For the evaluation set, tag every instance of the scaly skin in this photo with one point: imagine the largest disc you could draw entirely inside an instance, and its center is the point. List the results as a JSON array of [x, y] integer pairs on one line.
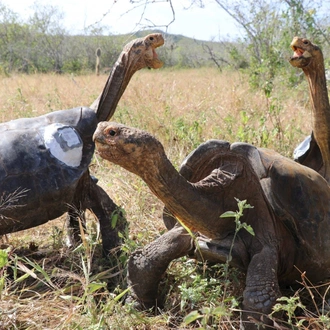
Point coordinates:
[[290, 214], [136, 55], [309, 58]]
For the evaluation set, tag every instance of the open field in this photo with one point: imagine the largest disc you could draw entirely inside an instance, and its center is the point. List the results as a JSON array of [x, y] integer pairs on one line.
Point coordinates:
[[57, 288]]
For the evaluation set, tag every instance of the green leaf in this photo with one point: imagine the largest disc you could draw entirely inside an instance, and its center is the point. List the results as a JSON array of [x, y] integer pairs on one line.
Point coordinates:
[[92, 287], [191, 317], [2, 284], [22, 278], [114, 220], [119, 296], [220, 311], [228, 214], [3, 258], [206, 310], [248, 228], [38, 268]]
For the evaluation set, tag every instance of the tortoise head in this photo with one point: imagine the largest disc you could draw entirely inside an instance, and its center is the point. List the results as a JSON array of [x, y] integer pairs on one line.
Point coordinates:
[[140, 53], [304, 53], [136, 55], [135, 150], [149, 44]]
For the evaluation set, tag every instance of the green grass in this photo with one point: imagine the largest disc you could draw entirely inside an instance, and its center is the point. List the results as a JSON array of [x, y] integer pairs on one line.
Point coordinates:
[[46, 285]]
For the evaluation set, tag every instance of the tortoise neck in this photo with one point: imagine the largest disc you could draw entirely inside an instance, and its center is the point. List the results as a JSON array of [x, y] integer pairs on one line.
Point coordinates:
[[121, 74], [320, 111], [181, 197]]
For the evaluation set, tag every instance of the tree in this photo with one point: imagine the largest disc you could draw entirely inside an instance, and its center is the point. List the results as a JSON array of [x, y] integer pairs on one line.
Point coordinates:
[[13, 35], [267, 28], [48, 36]]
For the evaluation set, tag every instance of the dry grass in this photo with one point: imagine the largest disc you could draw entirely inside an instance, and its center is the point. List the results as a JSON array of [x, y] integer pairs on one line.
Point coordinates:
[[183, 109]]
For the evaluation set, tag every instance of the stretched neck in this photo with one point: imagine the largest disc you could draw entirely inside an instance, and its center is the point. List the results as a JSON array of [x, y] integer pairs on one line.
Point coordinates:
[[122, 72], [320, 111], [182, 198]]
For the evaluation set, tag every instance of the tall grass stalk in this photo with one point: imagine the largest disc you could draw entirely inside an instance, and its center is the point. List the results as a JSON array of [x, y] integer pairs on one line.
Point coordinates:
[[45, 284]]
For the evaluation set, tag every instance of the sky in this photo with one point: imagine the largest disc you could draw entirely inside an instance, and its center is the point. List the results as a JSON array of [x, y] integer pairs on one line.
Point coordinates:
[[208, 23]]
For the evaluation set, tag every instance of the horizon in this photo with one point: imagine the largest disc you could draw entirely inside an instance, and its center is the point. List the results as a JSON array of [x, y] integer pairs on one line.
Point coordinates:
[[121, 17]]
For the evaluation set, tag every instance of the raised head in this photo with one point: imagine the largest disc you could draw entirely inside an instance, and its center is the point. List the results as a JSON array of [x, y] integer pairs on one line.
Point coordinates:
[[305, 53], [142, 52], [138, 54], [309, 58]]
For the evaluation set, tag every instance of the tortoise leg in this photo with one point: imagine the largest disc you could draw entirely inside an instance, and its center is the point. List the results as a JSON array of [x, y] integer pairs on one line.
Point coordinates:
[[91, 196], [146, 266], [74, 215], [262, 287], [217, 251], [110, 216], [76, 210]]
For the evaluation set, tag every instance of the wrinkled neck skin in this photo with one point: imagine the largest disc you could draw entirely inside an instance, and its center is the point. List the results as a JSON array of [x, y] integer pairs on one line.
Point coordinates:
[[315, 74], [181, 197], [121, 74]]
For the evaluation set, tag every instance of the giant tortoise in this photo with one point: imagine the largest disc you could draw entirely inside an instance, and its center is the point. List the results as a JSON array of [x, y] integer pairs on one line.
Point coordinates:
[[290, 215], [44, 160], [314, 152]]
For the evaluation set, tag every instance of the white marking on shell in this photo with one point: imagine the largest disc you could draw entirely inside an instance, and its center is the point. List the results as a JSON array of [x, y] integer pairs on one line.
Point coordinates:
[[64, 143], [302, 148]]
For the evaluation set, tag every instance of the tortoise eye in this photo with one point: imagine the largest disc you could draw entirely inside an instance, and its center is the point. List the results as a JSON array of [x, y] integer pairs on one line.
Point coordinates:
[[112, 132], [306, 42]]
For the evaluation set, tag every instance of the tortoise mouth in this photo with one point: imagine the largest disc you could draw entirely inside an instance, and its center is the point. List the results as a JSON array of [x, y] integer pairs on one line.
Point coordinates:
[[297, 52], [300, 58], [155, 62], [152, 60]]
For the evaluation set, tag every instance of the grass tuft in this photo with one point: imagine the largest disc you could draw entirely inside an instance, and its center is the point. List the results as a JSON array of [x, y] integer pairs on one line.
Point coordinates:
[[46, 285]]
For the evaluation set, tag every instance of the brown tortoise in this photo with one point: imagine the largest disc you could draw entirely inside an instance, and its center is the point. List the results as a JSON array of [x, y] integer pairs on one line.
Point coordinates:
[[44, 160], [314, 152], [290, 215]]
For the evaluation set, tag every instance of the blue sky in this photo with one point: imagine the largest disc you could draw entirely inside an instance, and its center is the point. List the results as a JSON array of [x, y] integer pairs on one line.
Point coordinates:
[[119, 16]]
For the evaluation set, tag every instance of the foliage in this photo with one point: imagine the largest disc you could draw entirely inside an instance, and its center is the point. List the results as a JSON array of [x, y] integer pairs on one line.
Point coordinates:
[[80, 289], [212, 310], [3, 268], [268, 28], [42, 44], [242, 205], [207, 297]]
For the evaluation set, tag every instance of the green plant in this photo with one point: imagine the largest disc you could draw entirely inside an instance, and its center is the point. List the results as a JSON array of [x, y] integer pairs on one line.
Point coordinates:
[[153, 101], [190, 133], [298, 311], [195, 292], [57, 236], [242, 205], [289, 306], [4, 255]]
